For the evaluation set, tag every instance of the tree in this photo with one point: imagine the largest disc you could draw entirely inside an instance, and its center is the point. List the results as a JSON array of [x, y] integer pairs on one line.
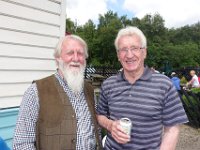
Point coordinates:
[[176, 47], [89, 34], [109, 24], [70, 26]]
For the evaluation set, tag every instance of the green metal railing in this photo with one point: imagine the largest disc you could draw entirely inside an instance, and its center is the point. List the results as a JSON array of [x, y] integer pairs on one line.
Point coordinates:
[[191, 104]]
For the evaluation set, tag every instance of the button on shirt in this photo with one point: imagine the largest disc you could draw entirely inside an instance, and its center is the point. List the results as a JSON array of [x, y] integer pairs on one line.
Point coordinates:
[[25, 137]]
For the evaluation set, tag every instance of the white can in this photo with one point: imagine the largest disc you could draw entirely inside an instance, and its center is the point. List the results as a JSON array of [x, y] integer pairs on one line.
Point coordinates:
[[126, 125]]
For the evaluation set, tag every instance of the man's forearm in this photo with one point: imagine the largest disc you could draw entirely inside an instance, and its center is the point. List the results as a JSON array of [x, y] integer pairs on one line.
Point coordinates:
[[170, 138], [104, 122]]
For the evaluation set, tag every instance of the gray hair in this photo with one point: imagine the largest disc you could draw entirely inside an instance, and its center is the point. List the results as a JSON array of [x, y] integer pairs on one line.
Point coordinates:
[[58, 48], [129, 31]]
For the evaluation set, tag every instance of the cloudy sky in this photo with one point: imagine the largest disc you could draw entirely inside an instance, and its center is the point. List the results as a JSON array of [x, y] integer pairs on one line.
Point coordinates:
[[176, 13]]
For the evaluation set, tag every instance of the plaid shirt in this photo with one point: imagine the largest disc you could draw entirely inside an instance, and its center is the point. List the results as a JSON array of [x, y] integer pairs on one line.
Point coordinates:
[[24, 137]]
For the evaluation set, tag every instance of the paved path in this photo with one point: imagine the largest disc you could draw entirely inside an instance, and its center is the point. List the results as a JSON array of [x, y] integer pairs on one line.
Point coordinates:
[[189, 138]]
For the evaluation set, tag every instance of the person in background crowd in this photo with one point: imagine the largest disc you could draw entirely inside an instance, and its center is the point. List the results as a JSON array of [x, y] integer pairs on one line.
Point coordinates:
[[194, 82], [154, 70], [199, 78], [176, 81], [3, 145], [58, 112], [147, 98]]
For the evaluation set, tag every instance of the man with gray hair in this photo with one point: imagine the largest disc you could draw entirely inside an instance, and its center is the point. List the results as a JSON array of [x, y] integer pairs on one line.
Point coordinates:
[[58, 112], [148, 99]]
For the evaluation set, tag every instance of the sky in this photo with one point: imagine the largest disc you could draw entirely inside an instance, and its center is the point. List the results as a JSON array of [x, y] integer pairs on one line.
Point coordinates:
[[176, 13]]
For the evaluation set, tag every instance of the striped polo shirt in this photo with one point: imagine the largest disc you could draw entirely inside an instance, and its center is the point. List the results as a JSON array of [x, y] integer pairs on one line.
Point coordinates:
[[151, 103]]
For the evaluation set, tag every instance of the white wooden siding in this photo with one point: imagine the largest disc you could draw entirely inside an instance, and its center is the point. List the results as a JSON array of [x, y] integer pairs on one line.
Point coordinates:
[[8, 23], [28, 76], [24, 51], [29, 32], [28, 13]]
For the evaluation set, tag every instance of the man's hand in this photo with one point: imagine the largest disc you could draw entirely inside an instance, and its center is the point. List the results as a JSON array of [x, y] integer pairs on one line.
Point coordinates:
[[118, 134], [114, 128]]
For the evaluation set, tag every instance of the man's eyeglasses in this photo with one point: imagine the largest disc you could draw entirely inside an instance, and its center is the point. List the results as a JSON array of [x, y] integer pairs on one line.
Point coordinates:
[[132, 49]]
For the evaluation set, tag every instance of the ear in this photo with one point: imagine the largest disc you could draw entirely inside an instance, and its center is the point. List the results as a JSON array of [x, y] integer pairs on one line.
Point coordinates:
[[145, 53], [118, 56], [58, 59]]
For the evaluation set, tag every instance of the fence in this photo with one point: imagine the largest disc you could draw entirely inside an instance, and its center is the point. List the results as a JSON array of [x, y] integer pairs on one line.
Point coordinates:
[[191, 104], [103, 71], [96, 75]]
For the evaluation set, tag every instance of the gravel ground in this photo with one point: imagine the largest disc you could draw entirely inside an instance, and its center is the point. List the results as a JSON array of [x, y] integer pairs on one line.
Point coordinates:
[[189, 138]]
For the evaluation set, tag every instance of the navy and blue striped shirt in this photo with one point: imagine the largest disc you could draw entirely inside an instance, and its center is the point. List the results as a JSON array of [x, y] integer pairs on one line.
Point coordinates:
[[151, 103]]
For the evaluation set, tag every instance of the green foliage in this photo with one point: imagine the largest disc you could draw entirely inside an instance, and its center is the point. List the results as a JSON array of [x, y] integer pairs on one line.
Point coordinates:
[[178, 47], [183, 81], [70, 26], [189, 101], [192, 105], [195, 90]]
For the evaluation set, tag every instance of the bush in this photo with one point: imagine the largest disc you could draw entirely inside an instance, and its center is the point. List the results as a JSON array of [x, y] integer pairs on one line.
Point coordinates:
[[183, 80], [195, 90]]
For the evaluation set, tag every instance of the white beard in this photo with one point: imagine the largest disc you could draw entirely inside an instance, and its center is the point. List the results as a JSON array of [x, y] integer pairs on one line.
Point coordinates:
[[74, 77]]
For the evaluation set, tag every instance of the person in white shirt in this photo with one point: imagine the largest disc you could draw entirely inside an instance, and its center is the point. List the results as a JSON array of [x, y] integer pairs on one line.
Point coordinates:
[[194, 82]]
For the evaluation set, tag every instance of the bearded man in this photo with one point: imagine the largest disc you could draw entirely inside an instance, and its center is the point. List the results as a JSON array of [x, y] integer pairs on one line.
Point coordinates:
[[58, 112]]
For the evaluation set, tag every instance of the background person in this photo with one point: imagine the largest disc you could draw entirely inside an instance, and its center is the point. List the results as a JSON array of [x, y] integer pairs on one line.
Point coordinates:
[[154, 70], [194, 82], [148, 99], [57, 112], [176, 81]]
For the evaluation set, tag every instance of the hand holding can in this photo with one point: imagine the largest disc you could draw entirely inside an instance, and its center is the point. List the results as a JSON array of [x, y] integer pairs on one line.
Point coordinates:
[[126, 125]]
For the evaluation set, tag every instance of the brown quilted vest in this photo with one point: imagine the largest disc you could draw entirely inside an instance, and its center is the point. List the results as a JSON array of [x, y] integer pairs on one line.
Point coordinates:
[[56, 125]]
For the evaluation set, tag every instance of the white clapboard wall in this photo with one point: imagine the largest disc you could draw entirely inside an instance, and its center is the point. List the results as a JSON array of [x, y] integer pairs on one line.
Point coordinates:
[[29, 31]]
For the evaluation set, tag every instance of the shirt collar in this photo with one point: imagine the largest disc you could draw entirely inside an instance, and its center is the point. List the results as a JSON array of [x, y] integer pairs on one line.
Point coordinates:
[[145, 76], [59, 77]]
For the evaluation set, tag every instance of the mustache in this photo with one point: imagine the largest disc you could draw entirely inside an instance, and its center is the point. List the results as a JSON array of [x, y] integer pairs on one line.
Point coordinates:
[[74, 63]]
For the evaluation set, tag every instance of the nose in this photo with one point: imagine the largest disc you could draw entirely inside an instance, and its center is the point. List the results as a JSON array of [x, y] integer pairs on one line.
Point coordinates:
[[75, 56], [129, 53]]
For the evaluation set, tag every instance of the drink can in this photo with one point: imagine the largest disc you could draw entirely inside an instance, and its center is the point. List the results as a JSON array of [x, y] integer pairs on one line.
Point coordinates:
[[126, 125]]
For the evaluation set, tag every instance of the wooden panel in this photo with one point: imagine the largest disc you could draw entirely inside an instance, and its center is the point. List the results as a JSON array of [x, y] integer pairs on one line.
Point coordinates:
[[7, 124], [28, 39], [9, 141], [28, 26], [13, 89], [8, 117], [56, 1], [22, 76], [63, 18], [29, 32], [12, 101], [7, 133], [25, 51], [26, 64], [28, 13], [39, 4]]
